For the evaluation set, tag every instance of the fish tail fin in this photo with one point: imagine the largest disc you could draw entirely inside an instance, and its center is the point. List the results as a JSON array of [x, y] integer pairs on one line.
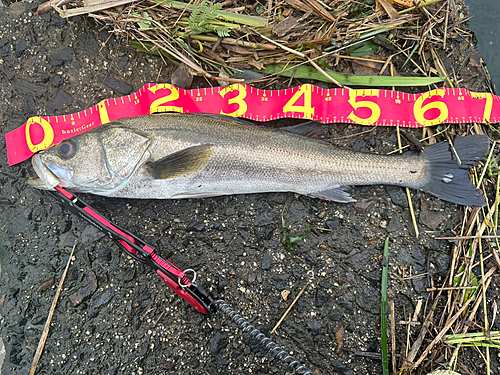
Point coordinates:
[[449, 180]]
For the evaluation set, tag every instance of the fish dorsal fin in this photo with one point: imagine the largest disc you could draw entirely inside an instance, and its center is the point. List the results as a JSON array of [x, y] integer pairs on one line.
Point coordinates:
[[181, 163], [336, 195], [123, 149], [310, 129]]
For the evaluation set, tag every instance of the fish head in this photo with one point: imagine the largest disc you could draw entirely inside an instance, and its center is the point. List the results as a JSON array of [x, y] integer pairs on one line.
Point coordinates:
[[100, 161]]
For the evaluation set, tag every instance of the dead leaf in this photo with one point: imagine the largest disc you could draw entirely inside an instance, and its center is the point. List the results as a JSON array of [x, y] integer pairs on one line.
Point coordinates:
[[285, 26], [182, 77], [285, 294], [391, 12], [362, 205], [431, 219], [338, 331]]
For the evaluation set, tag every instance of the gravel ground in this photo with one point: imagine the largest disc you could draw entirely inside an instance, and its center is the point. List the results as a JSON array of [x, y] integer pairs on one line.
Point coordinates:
[[130, 322]]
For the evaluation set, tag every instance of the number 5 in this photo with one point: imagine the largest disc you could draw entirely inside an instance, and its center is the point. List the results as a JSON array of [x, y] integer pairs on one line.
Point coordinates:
[[374, 107]]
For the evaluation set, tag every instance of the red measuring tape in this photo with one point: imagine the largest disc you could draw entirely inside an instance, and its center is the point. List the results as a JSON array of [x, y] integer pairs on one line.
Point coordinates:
[[364, 107]]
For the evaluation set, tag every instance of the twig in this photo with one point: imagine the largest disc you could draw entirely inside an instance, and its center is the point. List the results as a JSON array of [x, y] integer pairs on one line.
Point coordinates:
[[288, 310], [309, 60], [460, 238], [440, 335], [471, 316], [393, 335], [352, 135], [45, 333], [453, 148], [486, 165], [408, 195]]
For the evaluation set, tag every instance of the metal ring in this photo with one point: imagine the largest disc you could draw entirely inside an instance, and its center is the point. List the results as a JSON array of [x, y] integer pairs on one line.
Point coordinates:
[[183, 286]]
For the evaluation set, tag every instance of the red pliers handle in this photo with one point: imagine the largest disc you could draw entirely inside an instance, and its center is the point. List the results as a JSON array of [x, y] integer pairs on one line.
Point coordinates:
[[138, 249]]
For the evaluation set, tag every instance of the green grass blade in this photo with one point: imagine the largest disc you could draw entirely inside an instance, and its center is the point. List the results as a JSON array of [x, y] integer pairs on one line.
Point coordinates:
[[228, 16], [308, 72], [383, 309]]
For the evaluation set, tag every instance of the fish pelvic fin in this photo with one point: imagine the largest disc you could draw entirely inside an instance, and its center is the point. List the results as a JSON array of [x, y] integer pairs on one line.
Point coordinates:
[[336, 195], [181, 163], [449, 180]]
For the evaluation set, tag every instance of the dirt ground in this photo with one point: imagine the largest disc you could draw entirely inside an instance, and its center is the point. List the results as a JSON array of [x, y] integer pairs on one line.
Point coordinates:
[[132, 323]]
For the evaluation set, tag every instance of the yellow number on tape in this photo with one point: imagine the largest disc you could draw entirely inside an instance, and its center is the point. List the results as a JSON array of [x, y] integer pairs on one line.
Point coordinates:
[[48, 134], [157, 105], [103, 112], [307, 109], [238, 99], [488, 106], [419, 109], [374, 107]]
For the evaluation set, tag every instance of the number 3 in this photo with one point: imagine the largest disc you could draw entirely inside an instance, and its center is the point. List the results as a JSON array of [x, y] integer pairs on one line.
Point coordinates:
[[238, 99]]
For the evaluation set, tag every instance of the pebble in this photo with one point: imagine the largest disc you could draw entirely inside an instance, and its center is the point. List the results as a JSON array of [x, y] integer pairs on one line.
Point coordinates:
[[116, 85], [61, 100], [59, 58], [266, 260]]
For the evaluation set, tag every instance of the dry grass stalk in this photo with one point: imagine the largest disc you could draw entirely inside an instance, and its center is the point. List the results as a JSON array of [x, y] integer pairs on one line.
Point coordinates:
[[45, 332], [312, 32]]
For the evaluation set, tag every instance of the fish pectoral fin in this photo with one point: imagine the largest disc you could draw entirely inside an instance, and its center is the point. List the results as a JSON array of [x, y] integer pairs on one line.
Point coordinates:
[[181, 163], [336, 195]]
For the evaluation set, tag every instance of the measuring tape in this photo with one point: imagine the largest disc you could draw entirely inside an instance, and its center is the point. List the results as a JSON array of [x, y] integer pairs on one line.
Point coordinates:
[[364, 107]]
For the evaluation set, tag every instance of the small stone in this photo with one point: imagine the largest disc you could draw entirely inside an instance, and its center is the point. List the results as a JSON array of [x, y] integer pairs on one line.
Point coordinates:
[[280, 281], [222, 282], [57, 80], [116, 85], [297, 271], [383, 224], [21, 47], [86, 291], [218, 342], [430, 219], [196, 226], [266, 260], [332, 224], [315, 326], [284, 294], [104, 298], [397, 195], [104, 253], [394, 225], [61, 57], [61, 100]]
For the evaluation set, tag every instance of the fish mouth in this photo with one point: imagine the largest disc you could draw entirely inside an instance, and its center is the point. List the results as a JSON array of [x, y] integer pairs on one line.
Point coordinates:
[[47, 178]]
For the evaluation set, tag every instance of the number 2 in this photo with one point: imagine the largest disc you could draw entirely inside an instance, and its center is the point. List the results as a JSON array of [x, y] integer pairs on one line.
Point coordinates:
[[156, 106]]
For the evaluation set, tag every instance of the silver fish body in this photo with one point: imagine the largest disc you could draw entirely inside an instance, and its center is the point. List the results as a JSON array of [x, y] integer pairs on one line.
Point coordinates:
[[185, 156]]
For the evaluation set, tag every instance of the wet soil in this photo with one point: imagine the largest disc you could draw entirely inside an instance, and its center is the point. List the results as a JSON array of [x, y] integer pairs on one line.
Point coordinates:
[[128, 321]]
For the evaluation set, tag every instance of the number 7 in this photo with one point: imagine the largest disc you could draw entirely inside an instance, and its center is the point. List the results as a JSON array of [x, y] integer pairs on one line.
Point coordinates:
[[488, 105]]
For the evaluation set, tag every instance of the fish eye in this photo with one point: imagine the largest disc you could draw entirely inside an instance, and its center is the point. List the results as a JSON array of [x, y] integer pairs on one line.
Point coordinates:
[[66, 149]]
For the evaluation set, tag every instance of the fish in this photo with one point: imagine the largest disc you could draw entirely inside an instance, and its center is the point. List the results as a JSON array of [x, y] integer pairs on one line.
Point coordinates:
[[173, 156]]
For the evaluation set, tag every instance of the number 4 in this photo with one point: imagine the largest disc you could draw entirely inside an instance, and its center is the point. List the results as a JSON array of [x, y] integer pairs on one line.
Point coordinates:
[[307, 109]]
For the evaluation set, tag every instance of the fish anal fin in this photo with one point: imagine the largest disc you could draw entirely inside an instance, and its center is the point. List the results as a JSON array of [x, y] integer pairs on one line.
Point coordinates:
[[181, 163], [336, 195]]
